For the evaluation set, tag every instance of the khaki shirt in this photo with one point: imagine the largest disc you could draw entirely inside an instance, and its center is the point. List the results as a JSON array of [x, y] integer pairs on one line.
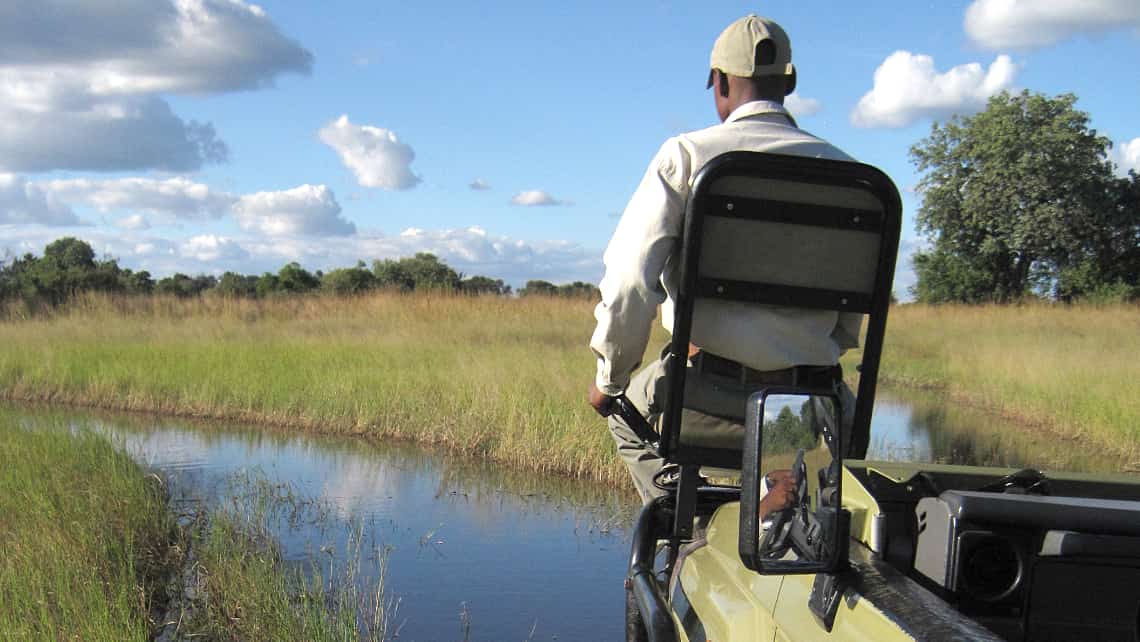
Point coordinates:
[[642, 260]]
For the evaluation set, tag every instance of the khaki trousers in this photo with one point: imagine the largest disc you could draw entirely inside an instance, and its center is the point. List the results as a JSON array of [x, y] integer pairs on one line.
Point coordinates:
[[714, 410]]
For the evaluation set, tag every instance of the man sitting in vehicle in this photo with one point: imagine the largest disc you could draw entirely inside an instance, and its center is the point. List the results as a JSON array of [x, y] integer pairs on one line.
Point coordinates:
[[751, 73]]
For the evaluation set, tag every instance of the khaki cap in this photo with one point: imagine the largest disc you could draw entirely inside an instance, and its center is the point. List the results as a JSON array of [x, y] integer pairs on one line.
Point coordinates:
[[734, 51]]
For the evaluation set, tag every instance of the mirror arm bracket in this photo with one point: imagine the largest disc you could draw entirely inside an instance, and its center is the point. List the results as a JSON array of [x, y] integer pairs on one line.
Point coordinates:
[[686, 501]]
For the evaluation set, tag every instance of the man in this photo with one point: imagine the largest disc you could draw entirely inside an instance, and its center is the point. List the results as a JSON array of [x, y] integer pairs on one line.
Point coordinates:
[[750, 73]]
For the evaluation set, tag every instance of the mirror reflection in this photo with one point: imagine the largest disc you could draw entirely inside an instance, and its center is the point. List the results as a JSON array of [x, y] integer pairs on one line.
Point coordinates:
[[799, 476]]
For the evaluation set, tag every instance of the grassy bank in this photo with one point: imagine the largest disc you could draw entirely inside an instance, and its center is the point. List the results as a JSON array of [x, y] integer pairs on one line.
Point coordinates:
[[90, 550], [505, 378], [1071, 371], [490, 376], [86, 541]]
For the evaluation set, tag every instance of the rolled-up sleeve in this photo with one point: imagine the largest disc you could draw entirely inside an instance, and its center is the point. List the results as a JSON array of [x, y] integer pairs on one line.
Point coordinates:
[[632, 289]]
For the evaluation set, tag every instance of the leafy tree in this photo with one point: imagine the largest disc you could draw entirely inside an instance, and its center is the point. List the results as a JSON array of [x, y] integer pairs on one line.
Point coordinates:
[[392, 275], [788, 432], [294, 279], [1020, 199], [346, 281], [267, 285], [484, 285], [538, 287], [424, 271], [233, 284], [429, 273], [181, 285], [579, 289]]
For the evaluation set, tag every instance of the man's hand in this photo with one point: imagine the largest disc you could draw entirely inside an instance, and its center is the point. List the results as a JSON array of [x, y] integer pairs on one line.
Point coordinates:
[[602, 403], [781, 495]]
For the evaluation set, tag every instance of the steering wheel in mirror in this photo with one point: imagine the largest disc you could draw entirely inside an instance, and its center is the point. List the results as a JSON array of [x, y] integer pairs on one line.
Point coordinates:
[[777, 538]]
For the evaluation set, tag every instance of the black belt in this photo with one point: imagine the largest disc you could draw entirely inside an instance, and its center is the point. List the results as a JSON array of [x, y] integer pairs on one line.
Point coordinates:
[[809, 376]]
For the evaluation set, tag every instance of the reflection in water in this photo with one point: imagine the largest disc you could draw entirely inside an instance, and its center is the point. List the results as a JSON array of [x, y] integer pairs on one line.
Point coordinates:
[[519, 551], [924, 427]]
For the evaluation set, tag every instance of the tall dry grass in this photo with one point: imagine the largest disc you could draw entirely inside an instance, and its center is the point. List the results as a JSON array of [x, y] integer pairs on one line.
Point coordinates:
[[487, 376], [505, 378], [1071, 370]]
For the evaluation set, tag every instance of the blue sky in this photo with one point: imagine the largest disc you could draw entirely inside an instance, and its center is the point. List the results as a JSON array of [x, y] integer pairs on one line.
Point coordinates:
[[213, 135]]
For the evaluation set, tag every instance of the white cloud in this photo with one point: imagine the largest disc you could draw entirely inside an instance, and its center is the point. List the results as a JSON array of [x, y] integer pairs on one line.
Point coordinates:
[[375, 155], [1126, 155], [176, 197], [135, 222], [305, 210], [80, 83], [907, 88], [800, 106], [22, 202], [479, 184], [1026, 24], [209, 248], [535, 198]]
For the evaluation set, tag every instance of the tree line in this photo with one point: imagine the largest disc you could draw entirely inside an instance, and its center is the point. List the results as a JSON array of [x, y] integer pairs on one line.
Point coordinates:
[[69, 267]]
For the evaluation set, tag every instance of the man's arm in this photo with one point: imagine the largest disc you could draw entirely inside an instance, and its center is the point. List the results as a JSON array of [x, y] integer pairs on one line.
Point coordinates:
[[635, 258]]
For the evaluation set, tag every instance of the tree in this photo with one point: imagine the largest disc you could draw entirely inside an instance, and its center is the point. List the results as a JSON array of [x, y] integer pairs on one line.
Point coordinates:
[[538, 287], [267, 285], [294, 279], [233, 284], [183, 286], [1020, 200], [484, 285], [345, 281], [424, 271], [579, 289]]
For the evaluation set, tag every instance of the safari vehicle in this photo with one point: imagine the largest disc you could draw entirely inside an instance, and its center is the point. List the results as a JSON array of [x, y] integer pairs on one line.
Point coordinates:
[[870, 550]]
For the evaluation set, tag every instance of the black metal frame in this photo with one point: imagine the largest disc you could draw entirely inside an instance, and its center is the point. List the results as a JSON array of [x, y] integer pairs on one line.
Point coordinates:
[[701, 204]]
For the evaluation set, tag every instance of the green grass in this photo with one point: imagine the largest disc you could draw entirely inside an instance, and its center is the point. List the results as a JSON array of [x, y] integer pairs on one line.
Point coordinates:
[[1070, 370], [86, 540], [505, 378], [90, 550], [491, 377]]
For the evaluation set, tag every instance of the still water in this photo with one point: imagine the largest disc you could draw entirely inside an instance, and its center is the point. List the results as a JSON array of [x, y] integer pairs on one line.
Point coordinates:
[[514, 556]]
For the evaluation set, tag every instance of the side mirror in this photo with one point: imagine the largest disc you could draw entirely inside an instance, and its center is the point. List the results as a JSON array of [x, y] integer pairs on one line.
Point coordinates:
[[796, 429]]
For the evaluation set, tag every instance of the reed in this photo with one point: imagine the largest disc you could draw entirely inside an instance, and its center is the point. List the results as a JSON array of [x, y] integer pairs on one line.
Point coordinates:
[[485, 376], [505, 378], [1069, 371], [91, 550], [86, 540]]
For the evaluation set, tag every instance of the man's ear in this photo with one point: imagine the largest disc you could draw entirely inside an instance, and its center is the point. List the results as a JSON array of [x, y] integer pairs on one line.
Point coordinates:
[[722, 83], [790, 84]]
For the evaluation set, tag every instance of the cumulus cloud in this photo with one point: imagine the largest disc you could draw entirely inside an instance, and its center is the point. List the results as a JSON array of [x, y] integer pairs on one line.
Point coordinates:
[[209, 248], [907, 88], [479, 184], [1126, 154], [176, 197], [81, 83], [1027, 24], [535, 198], [306, 210], [375, 155], [800, 106], [22, 202]]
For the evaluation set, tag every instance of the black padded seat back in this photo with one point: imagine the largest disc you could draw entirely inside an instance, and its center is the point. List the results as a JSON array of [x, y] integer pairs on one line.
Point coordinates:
[[785, 248], [780, 232]]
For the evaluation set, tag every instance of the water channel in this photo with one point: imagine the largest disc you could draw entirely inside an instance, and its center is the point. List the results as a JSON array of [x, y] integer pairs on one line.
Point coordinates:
[[515, 556]]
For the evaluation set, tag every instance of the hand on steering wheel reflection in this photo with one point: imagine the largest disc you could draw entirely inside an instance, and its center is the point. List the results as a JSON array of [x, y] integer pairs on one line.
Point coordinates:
[[787, 492]]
